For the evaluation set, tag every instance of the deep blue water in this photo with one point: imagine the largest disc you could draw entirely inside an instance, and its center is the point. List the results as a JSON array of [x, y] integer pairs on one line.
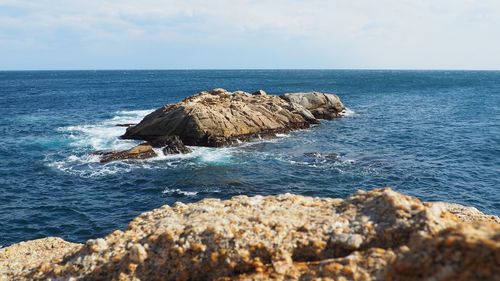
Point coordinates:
[[433, 134]]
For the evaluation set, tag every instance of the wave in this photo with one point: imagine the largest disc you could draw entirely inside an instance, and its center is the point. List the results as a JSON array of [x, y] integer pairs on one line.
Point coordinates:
[[137, 113], [86, 166], [77, 158], [348, 112], [221, 155], [104, 135], [282, 135], [178, 191], [317, 160], [86, 138]]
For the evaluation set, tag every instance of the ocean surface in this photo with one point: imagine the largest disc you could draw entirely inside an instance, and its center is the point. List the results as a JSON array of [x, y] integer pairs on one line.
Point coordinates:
[[433, 134]]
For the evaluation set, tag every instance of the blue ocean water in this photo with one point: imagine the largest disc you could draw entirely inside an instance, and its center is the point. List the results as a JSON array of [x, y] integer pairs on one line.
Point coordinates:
[[433, 134]]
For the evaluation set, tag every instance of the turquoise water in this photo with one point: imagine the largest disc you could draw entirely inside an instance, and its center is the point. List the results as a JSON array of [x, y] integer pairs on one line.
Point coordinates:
[[433, 134]]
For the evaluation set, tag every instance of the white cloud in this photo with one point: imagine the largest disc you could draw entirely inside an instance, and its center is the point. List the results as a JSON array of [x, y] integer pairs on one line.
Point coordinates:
[[358, 34]]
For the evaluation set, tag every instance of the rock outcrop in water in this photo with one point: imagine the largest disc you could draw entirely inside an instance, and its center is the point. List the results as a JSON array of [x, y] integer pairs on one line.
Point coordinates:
[[141, 151], [322, 106], [219, 117], [376, 235], [168, 145]]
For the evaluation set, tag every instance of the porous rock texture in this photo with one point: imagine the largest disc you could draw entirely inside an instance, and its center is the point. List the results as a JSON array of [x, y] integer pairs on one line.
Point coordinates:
[[220, 118], [375, 235], [466, 213], [17, 258]]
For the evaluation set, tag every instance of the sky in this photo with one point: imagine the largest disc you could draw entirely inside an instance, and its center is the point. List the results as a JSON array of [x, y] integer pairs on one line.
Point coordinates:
[[248, 34]]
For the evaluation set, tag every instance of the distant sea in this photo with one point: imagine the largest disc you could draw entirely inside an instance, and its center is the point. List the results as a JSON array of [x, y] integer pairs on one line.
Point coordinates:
[[432, 134]]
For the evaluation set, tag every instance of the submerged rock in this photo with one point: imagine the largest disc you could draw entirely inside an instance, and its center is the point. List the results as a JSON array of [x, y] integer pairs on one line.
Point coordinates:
[[219, 117], [376, 235], [318, 155]]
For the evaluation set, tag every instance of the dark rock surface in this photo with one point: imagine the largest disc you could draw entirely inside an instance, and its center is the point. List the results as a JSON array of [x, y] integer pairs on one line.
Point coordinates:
[[125, 125], [170, 145]]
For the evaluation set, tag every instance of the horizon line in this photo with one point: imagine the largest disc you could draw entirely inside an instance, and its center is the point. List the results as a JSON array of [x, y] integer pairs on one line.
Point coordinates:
[[262, 69]]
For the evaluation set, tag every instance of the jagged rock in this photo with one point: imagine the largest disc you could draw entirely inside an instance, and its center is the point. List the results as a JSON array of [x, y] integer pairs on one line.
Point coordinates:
[[219, 117], [170, 145], [376, 235], [141, 151], [322, 106]]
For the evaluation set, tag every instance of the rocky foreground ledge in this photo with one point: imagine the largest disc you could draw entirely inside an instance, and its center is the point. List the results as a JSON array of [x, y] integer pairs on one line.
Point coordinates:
[[222, 118], [375, 235]]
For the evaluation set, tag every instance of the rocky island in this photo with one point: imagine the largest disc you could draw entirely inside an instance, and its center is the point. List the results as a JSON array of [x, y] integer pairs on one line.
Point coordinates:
[[374, 235], [221, 118]]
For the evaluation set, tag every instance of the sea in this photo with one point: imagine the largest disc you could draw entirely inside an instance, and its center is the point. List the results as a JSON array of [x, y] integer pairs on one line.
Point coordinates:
[[431, 134]]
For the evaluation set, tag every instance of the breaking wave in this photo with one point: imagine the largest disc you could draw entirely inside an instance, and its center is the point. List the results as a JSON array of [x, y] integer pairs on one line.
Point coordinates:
[[105, 135]]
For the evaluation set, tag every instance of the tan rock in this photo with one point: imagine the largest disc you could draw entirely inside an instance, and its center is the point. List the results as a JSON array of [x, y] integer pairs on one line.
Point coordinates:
[[375, 235], [219, 117], [321, 105], [20, 258], [465, 213], [462, 252], [141, 151]]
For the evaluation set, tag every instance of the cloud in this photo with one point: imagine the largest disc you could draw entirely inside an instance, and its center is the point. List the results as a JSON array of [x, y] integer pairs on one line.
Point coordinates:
[[250, 34]]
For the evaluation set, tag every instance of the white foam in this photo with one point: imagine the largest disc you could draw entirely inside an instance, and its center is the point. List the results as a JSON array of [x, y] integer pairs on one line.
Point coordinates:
[[179, 191], [259, 140], [317, 162], [282, 135], [87, 166], [142, 112], [219, 155], [348, 112], [202, 154], [104, 135]]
